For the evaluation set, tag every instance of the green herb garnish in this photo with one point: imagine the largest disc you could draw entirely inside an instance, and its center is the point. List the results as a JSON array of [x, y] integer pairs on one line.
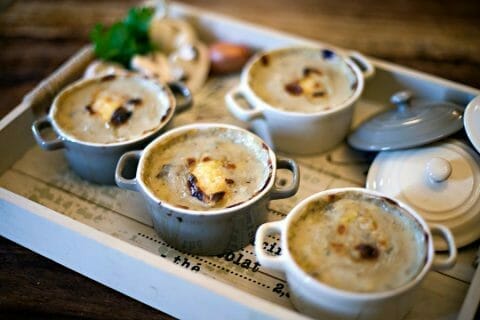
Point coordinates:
[[124, 39]]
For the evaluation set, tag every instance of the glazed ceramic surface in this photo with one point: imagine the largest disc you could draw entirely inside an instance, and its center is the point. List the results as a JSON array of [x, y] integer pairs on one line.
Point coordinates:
[[300, 132], [95, 161], [441, 182], [319, 300], [208, 232], [472, 122], [410, 124]]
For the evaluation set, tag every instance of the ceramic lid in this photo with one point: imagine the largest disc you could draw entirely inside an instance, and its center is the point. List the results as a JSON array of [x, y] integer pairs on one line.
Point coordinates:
[[472, 122], [441, 182], [410, 124]]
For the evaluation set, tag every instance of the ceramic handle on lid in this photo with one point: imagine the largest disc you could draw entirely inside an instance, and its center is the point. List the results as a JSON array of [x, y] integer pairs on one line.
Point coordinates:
[[438, 169], [402, 101]]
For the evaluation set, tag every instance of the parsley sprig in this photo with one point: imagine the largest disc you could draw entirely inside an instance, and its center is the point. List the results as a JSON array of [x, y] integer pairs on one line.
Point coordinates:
[[125, 38]]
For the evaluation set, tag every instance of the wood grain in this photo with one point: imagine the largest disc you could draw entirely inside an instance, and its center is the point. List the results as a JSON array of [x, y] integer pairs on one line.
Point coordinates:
[[438, 37]]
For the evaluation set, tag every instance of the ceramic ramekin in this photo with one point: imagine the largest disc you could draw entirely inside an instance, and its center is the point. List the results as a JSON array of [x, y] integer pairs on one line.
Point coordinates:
[[299, 132], [96, 162], [207, 232], [320, 300]]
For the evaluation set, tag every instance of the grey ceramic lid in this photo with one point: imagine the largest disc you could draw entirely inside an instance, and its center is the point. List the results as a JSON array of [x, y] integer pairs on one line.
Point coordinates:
[[410, 124]]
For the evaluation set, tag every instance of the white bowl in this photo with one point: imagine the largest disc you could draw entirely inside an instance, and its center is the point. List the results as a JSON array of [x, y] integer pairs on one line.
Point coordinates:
[[294, 131], [323, 301]]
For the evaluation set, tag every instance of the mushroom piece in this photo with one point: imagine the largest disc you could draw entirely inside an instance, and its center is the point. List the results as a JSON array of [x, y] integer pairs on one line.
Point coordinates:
[[190, 64], [169, 34], [154, 65], [99, 68]]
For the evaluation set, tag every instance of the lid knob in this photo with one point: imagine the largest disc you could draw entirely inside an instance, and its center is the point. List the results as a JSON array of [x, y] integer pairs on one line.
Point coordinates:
[[438, 169], [402, 100]]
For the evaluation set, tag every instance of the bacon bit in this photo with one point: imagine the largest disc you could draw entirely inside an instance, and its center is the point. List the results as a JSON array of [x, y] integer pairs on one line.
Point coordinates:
[[90, 109], [217, 196], [195, 191], [230, 165], [166, 115], [327, 54], [332, 197], [108, 77], [120, 116], [336, 246], [191, 161], [135, 101], [264, 146], [294, 88], [207, 158], [341, 229], [309, 70], [229, 181], [265, 60], [367, 251], [318, 94]]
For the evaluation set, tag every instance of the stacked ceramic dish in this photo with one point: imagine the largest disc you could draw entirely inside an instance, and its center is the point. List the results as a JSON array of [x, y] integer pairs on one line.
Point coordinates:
[[439, 179]]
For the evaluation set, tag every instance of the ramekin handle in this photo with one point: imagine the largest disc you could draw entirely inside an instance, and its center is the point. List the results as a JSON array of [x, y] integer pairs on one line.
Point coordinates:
[[362, 62], [268, 261], [241, 113], [444, 232], [183, 91], [37, 127], [120, 180], [288, 191]]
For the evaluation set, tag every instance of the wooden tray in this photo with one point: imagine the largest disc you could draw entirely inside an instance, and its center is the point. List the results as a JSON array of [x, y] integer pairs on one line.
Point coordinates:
[[106, 234]]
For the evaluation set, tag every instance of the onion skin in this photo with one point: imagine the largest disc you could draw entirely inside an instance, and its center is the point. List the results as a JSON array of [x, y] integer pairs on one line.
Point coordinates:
[[228, 57]]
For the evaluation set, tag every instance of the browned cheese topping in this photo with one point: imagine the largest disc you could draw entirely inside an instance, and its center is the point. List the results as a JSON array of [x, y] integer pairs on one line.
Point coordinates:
[[357, 243], [208, 170]]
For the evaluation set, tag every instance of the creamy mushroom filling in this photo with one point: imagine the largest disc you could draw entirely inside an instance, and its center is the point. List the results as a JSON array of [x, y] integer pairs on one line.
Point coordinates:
[[302, 80], [112, 109], [358, 242], [207, 169]]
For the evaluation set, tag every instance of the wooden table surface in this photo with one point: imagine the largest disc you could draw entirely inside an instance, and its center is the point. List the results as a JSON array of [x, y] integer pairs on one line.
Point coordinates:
[[438, 37]]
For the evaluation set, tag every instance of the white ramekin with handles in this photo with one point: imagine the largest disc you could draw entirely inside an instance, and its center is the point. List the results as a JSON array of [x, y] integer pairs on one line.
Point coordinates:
[[298, 132], [206, 232], [317, 299], [95, 161]]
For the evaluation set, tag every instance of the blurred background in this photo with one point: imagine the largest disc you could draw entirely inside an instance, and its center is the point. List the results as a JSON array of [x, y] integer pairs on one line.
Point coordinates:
[[437, 37]]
